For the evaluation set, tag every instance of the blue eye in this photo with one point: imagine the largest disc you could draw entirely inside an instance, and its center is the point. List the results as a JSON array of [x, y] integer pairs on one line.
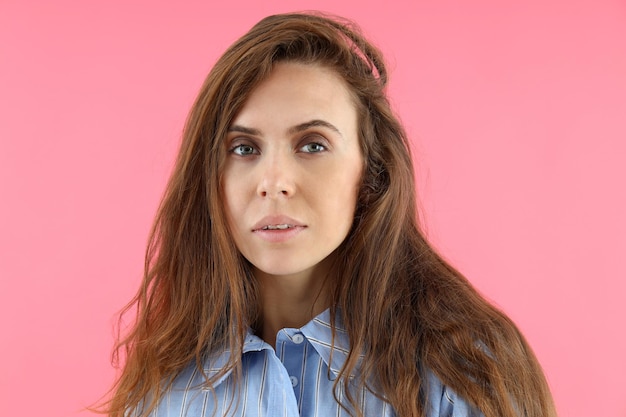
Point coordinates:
[[244, 150], [313, 147]]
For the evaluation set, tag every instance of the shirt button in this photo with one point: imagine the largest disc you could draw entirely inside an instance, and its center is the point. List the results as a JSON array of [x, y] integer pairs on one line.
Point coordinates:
[[297, 338], [294, 381]]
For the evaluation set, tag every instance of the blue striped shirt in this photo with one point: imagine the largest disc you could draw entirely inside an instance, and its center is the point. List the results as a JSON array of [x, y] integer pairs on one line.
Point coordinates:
[[295, 379]]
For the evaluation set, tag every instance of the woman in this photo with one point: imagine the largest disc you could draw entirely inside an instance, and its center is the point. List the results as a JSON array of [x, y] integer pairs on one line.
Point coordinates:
[[286, 272]]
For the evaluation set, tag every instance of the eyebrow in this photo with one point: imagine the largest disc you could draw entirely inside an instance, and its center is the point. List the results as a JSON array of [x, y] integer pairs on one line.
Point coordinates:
[[314, 123], [246, 130], [295, 129]]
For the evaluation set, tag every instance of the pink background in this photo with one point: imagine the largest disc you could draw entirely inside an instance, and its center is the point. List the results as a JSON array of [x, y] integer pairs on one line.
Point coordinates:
[[518, 115]]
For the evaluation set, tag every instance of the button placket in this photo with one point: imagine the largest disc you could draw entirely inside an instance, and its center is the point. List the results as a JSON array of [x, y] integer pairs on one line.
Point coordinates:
[[292, 350]]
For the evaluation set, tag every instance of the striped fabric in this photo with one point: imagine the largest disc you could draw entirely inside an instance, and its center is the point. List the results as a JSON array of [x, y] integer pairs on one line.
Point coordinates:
[[296, 379]]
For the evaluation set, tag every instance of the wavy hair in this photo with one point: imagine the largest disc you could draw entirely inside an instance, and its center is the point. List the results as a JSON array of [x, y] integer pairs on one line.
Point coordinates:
[[407, 309]]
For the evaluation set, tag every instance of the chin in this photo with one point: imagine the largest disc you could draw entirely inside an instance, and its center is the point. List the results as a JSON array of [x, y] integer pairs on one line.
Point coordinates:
[[278, 272], [281, 269]]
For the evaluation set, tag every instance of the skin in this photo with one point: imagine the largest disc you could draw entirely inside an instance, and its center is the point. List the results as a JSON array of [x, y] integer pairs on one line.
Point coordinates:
[[294, 161]]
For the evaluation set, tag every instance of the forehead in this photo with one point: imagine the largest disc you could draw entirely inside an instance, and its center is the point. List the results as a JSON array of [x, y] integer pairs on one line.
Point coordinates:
[[297, 90]]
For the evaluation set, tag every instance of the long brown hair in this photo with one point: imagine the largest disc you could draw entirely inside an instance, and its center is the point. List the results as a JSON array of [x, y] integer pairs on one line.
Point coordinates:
[[407, 309]]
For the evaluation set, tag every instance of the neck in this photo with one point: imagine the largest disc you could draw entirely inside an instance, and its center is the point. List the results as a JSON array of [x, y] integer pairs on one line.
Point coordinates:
[[290, 301]]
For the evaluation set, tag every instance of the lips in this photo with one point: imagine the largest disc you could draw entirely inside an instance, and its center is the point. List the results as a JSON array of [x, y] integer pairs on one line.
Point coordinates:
[[277, 222], [277, 229]]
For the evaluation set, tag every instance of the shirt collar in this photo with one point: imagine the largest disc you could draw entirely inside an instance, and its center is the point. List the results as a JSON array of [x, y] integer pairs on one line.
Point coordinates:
[[318, 332], [333, 352]]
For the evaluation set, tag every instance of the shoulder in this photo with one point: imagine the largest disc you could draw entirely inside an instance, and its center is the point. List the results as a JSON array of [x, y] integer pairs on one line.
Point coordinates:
[[442, 401]]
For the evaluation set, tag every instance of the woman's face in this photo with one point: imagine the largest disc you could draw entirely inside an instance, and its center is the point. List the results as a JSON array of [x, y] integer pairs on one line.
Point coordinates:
[[293, 170]]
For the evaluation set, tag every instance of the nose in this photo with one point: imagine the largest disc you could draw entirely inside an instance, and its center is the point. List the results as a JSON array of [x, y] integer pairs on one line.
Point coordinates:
[[277, 178]]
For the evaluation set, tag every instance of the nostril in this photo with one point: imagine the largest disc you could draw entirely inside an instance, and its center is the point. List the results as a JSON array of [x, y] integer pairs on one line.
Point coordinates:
[[274, 191]]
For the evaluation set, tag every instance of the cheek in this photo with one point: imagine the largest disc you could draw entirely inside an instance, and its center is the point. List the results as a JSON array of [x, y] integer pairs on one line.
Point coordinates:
[[231, 182], [345, 189], [231, 201], [354, 180]]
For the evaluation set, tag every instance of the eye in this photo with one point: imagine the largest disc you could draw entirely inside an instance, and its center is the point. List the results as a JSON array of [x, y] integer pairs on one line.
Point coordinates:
[[244, 150], [313, 147]]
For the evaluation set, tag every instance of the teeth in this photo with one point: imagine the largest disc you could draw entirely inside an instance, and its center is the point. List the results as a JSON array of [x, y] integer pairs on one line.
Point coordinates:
[[277, 227]]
